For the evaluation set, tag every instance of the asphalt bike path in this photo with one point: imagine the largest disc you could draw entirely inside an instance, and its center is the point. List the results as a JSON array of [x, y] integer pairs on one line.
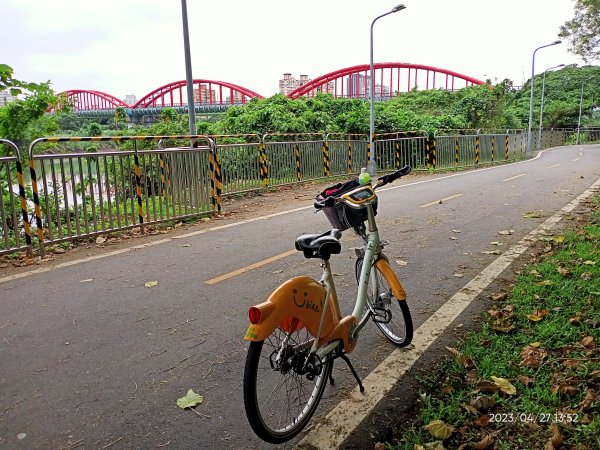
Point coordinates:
[[95, 354]]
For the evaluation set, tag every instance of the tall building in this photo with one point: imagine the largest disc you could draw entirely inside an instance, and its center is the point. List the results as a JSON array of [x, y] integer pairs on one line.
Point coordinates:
[[288, 83], [205, 95], [5, 97], [130, 99]]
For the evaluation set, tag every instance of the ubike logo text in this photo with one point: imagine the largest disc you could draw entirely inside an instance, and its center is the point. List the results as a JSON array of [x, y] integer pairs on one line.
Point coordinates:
[[305, 302]]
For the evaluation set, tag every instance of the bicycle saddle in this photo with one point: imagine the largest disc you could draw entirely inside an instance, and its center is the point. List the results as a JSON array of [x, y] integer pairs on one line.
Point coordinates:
[[320, 245]]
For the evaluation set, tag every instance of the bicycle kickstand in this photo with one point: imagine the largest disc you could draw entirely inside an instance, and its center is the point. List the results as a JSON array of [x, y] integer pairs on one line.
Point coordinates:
[[345, 358]]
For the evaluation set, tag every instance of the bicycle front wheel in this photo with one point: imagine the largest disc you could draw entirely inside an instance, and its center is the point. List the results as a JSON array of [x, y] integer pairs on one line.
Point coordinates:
[[392, 316], [283, 384]]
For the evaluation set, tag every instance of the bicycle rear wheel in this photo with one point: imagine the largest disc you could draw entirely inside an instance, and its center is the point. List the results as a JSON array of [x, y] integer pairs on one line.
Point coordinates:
[[281, 391], [392, 316]]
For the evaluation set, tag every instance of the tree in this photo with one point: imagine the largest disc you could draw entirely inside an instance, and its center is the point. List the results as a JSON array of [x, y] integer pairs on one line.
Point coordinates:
[[24, 120], [583, 31]]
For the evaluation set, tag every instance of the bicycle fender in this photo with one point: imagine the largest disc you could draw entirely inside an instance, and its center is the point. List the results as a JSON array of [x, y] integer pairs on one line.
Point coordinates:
[[384, 266], [295, 304]]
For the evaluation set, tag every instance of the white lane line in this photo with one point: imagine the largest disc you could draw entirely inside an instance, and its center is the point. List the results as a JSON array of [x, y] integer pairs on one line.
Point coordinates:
[[437, 202], [349, 413], [241, 222], [515, 177], [555, 165]]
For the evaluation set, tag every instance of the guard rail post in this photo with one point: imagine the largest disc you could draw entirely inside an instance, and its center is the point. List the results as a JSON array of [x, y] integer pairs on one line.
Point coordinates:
[[326, 161], [22, 197], [138, 186], [36, 201], [477, 143]]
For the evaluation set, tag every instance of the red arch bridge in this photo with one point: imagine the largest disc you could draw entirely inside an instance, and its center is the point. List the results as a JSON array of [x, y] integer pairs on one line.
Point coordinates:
[[216, 96]]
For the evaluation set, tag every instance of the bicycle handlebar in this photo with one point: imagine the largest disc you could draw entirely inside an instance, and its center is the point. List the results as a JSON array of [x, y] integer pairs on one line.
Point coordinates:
[[386, 179], [391, 177]]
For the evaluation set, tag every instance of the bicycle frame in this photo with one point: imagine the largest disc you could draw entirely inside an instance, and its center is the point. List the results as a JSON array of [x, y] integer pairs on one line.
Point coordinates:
[[304, 302]]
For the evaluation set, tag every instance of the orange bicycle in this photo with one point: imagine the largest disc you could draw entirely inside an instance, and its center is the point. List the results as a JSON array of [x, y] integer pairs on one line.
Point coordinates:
[[297, 334]]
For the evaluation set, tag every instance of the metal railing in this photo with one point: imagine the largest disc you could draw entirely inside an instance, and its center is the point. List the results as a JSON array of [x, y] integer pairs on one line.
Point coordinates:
[[83, 194], [15, 232], [78, 194]]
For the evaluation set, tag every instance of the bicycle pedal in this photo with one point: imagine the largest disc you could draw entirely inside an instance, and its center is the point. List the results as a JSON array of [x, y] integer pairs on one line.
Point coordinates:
[[382, 315]]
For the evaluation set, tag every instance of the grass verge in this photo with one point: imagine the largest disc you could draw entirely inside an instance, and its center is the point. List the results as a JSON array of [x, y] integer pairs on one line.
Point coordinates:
[[529, 378]]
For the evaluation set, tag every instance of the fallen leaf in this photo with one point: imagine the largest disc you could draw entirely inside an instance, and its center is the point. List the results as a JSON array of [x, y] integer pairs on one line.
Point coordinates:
[[504, 385], [459, 275], [151, 284], [100, 240], [525, 380], [440, 429], [557, 439], [506, 232], [185, 245], [589, 263], [532, 357], [86, 280], [486, 386], [588, 401], [482, 403], [465, 361], [457, 231], [491, 252], [437, 445], [532, 215], [499, 296], [452, 238], [401, 263], [484, 443], [496, 243], [278, 271], [190, 400], [482, 421], [563, 271], [588, 342]]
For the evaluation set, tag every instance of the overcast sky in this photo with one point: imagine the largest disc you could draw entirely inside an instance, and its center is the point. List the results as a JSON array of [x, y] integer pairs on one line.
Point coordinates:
[[135, 46]]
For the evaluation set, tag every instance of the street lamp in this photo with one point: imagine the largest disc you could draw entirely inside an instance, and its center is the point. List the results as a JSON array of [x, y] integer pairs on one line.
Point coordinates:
[[580, 106], [531, 96], [188, 69], [371, 165], [539, 142]]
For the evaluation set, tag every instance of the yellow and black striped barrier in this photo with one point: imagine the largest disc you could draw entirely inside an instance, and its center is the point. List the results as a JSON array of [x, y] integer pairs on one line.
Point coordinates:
[[219, 181], [22, 203], [349, 156], [37, 207], [493, 144], [397, 159], [506, 147], [298, 167], [326, 162], [138, 189], [456, 147], [263, 167], [477, 142]]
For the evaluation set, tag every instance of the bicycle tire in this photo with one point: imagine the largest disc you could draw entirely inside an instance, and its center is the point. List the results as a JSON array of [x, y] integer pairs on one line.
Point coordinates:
[[398, 326], [278, 401]]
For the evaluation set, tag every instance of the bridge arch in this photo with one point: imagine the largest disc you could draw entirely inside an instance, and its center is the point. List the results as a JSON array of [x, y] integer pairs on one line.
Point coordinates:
[[206, 92], [390, 77], [86, 100]]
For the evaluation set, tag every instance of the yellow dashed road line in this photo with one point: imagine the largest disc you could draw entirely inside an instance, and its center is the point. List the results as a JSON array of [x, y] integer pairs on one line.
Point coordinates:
[[250, 267], [437, 202], [516, 176]]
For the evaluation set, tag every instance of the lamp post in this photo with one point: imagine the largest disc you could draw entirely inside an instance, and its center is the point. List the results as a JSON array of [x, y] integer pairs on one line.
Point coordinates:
[[371, 165], [188, 69], [580, 107], [539, 140], [531, 95]]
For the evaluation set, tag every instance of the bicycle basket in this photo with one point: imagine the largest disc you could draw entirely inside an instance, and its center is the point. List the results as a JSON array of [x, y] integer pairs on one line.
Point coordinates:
[[344, 215]]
